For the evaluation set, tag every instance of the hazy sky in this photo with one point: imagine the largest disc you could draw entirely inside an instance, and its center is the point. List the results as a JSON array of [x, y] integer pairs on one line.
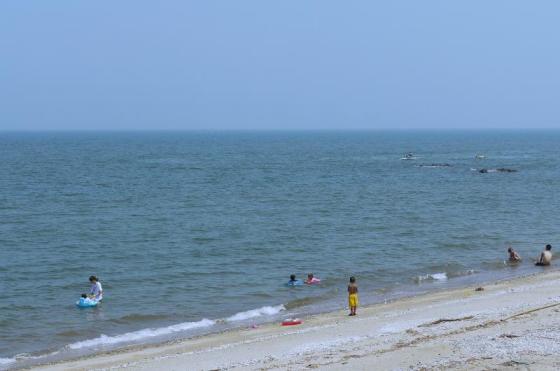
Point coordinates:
[[279, 65]]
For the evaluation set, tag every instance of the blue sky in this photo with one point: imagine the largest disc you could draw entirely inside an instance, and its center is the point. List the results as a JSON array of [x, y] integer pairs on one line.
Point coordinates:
[[279, 65]]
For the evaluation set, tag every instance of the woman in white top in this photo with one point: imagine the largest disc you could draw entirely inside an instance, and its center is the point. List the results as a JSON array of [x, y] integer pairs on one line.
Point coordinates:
[[96, 291]]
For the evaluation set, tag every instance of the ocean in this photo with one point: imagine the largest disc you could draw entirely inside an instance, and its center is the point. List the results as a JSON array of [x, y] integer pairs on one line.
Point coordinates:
[[196, 232]]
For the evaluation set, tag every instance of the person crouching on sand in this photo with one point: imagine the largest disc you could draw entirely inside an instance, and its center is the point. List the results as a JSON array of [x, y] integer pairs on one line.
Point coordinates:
[[513, 255], [352, 296], [546, 256]]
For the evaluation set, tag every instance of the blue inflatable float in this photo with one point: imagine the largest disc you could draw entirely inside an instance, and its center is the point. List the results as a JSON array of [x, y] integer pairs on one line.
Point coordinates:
[[87, 303]]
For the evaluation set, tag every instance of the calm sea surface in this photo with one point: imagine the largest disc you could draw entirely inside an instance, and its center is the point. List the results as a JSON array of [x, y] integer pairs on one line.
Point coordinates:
[[195, 232]]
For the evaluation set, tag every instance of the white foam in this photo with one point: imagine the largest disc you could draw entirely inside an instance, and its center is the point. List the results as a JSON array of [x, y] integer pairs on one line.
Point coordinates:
[[432, 277], [264, 311], [439, 276], [140, 335], [5, 361]]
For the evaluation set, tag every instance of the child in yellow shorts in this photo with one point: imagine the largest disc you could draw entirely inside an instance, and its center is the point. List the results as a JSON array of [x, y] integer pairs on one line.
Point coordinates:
[[352, 296]]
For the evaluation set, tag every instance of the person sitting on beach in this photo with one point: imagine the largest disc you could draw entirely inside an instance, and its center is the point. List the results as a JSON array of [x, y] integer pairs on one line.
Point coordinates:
[[311, 280], [352, 296], [96, 291], [546, 256], [513, 255]]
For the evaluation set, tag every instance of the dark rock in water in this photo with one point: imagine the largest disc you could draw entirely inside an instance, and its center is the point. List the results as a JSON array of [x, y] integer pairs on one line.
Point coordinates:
[[504, 170], [435, 165], [499, 170]]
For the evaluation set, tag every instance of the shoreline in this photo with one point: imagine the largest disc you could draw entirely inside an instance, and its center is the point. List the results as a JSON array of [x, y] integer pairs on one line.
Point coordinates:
[[234, 345], [109, 344]]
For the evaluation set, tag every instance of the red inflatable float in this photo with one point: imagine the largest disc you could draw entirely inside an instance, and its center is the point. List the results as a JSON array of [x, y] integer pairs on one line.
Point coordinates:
[[292, 322]]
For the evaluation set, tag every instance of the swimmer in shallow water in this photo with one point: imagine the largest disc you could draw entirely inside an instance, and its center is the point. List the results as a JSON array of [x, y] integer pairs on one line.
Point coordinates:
[[513, 256], [293, 281], [546, 256], [312, 280]]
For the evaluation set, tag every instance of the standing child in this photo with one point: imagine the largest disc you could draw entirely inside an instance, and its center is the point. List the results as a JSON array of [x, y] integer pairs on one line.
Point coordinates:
[[352, 296]]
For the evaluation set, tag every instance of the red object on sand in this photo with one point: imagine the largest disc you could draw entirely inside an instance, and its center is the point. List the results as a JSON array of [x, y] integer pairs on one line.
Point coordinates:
[[292, 322]]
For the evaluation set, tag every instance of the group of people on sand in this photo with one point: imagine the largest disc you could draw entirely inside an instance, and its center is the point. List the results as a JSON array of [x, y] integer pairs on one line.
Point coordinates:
[[544, 259], [352, 289]]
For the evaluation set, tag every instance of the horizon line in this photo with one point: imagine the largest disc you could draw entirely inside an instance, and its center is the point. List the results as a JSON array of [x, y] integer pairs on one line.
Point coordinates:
[[271, 130]]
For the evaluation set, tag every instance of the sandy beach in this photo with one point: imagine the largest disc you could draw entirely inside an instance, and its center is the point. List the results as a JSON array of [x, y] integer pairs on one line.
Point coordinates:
[[199, 185], [509, 324]]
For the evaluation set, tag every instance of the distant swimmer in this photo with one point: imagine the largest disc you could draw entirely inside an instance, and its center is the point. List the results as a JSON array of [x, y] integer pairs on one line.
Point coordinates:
[[408, 156], [546, 256], [513, 256]]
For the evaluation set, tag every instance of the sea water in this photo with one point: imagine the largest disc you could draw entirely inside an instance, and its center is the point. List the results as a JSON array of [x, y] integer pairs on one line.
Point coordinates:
[[196, 232]]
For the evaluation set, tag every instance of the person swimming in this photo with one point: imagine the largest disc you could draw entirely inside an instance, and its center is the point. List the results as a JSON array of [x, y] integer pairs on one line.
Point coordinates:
[[513, 255], [546, 256], [312, 280], [293, 281]]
